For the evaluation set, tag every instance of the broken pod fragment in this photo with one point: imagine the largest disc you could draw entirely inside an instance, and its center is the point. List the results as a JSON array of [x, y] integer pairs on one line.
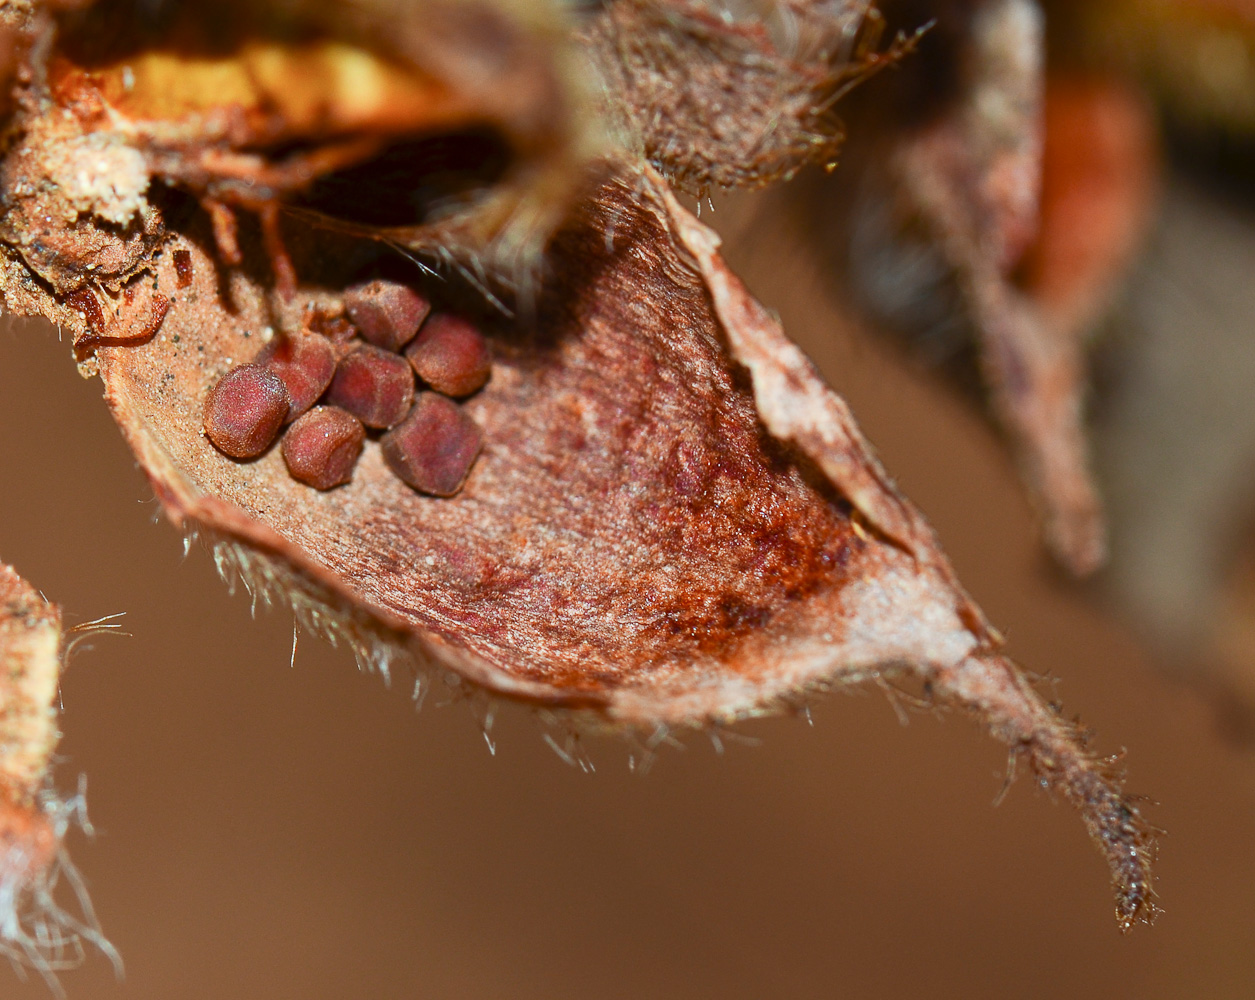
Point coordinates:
[[35, 930], [674, 521]]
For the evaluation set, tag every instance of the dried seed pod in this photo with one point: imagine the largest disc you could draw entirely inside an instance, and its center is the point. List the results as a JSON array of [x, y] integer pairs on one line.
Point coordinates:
[[434, 448], [323, 446], [245, 410], [375, 386], [451, 356], [306, 363], [387, 313], [744, 545]]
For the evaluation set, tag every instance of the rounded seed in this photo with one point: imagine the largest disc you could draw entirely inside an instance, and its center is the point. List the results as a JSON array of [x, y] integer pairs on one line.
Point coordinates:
[[451, 356], [387, 313], [306, 363], [322, 448], [245, 410], [433, 449], [375, 386]]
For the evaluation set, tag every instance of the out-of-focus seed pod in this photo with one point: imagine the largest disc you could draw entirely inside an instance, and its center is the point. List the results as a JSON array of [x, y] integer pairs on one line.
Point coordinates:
[[451, 356], [387, 313], [245, 411], [306, 363], [434, 448], [35, 931], [30, 667], [323, 446], [375, 386]]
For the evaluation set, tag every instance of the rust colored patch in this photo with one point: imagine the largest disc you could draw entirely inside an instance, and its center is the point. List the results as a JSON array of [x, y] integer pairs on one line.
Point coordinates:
[[85, 301]]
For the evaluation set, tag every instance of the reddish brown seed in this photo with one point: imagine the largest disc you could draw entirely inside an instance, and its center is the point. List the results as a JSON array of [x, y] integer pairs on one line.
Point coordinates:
[[245, 410], [375, 386], [435, 447], [323, 446], [386, 313], [306, 363], [451, 356]]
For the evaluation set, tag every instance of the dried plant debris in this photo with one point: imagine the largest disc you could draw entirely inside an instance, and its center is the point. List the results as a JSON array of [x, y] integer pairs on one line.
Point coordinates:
[[717, 100], [653, 515], [439, 124], [36, 932]]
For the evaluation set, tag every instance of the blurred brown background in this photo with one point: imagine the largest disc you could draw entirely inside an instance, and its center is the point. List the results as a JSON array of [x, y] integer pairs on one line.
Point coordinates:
[[274, 832]]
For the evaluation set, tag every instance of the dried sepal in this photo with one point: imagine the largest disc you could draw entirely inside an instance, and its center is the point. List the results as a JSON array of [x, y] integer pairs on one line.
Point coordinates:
[[716, 102]]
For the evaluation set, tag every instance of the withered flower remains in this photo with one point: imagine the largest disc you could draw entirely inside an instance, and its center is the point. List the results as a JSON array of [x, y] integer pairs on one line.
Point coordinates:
[[672, 521]]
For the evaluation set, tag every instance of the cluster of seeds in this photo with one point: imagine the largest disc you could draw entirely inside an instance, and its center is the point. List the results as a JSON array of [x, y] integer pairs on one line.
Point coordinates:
[[360, 369]]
